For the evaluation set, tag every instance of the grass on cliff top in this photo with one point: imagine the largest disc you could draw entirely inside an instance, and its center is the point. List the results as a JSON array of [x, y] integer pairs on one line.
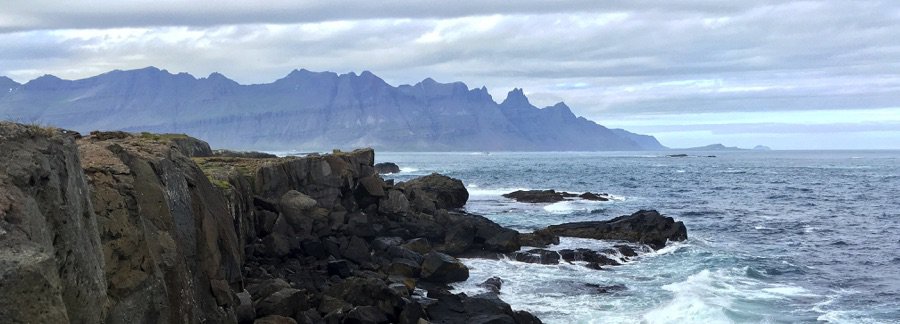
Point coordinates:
[[220, 169], [159, 137]]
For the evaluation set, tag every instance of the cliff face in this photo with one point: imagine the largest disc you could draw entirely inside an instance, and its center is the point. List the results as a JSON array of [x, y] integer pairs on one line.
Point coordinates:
[[170, 248], [50, 256], [311, 111]]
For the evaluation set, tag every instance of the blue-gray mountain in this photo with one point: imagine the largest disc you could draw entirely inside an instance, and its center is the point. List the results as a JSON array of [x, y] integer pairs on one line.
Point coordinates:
[[309, 111]]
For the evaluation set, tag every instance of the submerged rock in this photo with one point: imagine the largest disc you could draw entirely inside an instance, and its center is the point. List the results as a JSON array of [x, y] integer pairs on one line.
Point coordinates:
[[645, 226]]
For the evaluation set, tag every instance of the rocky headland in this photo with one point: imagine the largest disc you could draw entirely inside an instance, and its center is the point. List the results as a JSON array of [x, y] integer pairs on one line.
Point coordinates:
[[157, 228]]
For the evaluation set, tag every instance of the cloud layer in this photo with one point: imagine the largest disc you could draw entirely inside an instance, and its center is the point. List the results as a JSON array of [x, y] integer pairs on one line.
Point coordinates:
[[614, 63]]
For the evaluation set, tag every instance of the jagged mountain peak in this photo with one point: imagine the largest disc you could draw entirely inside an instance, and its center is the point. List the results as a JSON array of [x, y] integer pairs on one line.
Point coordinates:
[[516, 98]]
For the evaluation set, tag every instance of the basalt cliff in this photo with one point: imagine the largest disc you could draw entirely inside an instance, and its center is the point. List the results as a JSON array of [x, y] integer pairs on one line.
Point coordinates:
[[116, 227]]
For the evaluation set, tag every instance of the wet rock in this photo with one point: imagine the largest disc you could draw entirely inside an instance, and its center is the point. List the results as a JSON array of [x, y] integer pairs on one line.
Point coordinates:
[[359, 291], [445, 192], [439, 267], [523, 317], [648, 227], [551, 196], [594, 196], [540, 256], [387, 168], [356, 250], [492, 284], [607, 289], [626, 250], [538, 196]]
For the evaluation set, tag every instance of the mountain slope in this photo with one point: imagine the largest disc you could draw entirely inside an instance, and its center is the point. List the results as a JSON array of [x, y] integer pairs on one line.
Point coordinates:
[[310, 111]]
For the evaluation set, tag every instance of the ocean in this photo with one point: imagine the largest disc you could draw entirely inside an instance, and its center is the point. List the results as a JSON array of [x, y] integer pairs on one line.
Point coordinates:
[[774, 236]]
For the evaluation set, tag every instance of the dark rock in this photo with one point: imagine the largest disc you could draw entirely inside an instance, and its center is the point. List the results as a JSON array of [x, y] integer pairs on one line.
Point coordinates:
[[626, 250], [445, 192], [540, 256], [551, 196], [394, 202], [439, 267], [648, 227], [459, 238], [340, 268], [607, 289], [365, 315], [387, 168], [245, 312], [356, 250], [538, 239], [285, 302], [367, 292], [404, 267], [492, 284], [418, 245], [593, 196], [276, 245], [275, 319], [373, 185], [492, 319], [523, 317], [537, 196]]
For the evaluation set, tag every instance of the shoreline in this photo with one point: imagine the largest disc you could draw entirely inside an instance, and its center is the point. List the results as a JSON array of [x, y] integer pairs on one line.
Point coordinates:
[[118, 222]]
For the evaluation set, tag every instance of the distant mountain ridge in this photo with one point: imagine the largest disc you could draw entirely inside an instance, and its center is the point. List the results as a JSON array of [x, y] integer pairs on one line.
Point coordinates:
[[310, 111]]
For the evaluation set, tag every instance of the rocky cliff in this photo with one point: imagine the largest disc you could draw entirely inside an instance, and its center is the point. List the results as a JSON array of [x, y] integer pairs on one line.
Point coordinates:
[[146, 228], [310, 111]]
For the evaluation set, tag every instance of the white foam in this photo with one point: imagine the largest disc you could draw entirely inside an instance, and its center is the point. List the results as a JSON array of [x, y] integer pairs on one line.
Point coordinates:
[[408, 169], [478, 192], [569, 206]]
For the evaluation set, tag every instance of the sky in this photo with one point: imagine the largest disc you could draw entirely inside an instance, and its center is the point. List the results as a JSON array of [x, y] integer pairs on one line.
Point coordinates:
[[787, 74]]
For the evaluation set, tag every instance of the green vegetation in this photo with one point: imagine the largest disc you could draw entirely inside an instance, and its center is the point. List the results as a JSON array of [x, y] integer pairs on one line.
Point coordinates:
[[160, 137]]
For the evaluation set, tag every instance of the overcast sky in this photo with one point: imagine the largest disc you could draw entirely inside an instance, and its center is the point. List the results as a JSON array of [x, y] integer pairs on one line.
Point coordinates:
[[805, 74]]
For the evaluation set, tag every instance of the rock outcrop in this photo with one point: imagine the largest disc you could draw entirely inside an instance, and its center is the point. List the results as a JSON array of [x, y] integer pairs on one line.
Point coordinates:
[[645, 226], [551, 196], [144, 228], [387, 168], [51, 260]]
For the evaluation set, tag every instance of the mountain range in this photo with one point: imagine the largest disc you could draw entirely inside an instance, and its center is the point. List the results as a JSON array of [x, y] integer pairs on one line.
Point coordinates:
[[309, 111]]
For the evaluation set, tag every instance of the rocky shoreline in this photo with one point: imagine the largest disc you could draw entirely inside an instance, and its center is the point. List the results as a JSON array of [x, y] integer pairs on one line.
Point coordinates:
[[148, 228]]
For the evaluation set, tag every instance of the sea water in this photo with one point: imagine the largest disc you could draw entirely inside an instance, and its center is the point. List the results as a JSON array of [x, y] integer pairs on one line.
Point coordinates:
[[774, 237]]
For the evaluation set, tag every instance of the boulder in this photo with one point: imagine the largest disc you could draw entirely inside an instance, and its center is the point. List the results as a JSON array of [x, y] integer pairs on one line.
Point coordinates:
[[285, 302], [492, 284], [404, 267], [365, 315], [340, 268], [442, 268], [444, 191], [387, 168], [645, 226], [395, 202], [418, 245]]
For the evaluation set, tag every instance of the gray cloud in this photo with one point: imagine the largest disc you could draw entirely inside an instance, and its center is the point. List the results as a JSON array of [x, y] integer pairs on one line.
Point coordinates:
[[608, 60]]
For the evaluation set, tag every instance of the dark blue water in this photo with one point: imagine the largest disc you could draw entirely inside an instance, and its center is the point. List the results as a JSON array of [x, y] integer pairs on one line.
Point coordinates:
[[774, 236]]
